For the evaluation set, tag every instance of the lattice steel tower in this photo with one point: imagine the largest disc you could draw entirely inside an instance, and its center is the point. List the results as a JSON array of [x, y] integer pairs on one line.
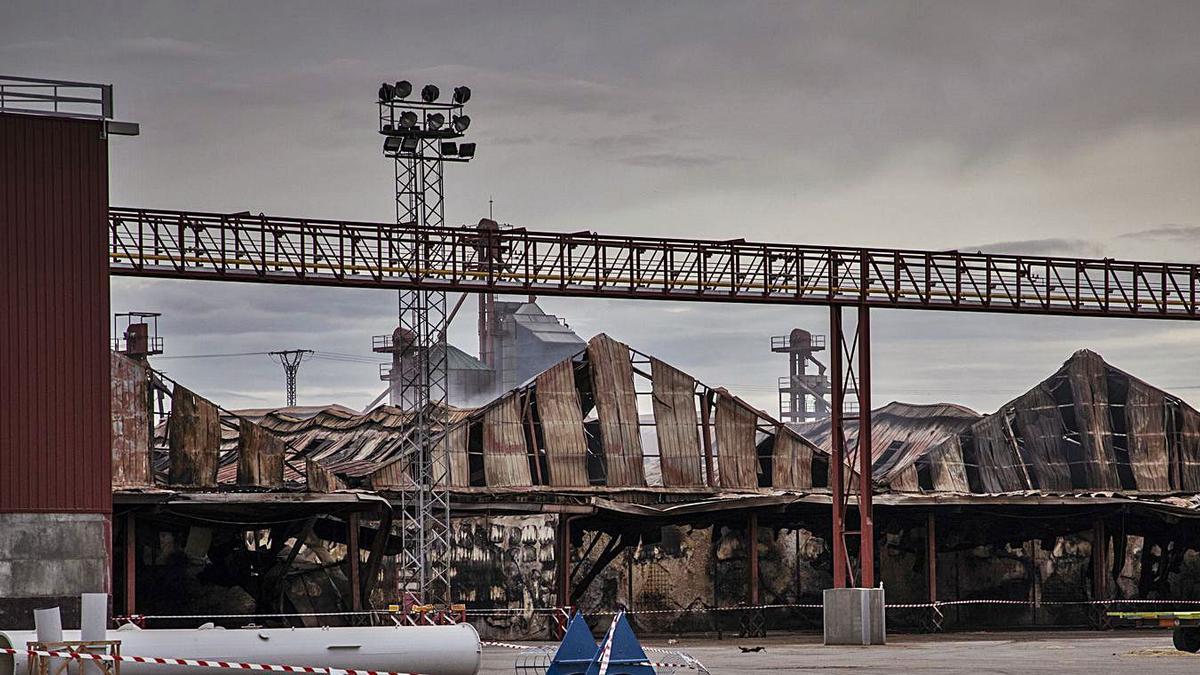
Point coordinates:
[[290, 360], [421, 136]]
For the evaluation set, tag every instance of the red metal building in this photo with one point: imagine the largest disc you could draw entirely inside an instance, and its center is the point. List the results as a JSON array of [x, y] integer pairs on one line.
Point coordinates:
[[55, 461]]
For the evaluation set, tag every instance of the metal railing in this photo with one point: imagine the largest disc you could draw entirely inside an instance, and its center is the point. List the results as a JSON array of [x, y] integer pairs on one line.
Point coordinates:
[[56, 97], [782, 343], [242, 247]]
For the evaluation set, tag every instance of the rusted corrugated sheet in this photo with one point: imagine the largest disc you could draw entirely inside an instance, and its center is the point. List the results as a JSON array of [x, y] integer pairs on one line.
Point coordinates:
[[55, 429], [1188, 423], [505, 455], [1000, 469], [616, 406], [791, 461], [737, 456], [394, 473], [674, 394], [900, 434], [131, 465], [260, 457], [1146, 436], [1041, 427], [562, 425], [1087, 374], [947, 472], [194, 440], [319, 479], [905, 480], [452, 448]]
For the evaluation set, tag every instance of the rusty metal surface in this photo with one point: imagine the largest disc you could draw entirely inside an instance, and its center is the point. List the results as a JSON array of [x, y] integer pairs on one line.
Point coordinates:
[[131, 465], [194, 440], [616, 406], [217, 246], [737, 454], [1089, 426], [1146, 434], [791, 462], [452, 449], [54, 367], [505, 455], [1040, 423], [675, 423], [260, 457], [1187, 421], [901, 432], [561, 418], [1086, 372]]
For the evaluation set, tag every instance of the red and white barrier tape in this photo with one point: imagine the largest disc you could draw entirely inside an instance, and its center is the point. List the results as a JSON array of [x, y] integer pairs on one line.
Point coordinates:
[[199, 663], [506, 645]]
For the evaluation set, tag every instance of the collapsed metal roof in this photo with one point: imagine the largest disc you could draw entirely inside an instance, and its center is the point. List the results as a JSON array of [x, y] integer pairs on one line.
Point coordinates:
[[1089, 427], [607, 419]]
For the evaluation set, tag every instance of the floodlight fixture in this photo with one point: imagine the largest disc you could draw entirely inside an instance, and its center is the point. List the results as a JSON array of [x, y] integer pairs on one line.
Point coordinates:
[[409, 144], [435, 121], [462, 94], [460, 123], [408, 119], [449, 148], [466, 150], [402, 88], [430, 93], [391, 144], [386, 92]]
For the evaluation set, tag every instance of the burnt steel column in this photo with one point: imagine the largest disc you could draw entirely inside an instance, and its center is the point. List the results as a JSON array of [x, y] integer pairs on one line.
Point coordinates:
[[130, 564], [931, 555], [352, 555], [752, 551], [837, 447], [562, 559], [1099, 560], [866, 513]]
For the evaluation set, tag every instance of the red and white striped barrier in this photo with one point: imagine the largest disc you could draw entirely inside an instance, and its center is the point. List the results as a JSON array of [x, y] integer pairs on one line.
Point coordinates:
[[199, 663], [506, 645]]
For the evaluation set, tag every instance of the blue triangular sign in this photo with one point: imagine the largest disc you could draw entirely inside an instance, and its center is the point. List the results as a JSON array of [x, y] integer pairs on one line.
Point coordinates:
[[625, 654], [576, 651]]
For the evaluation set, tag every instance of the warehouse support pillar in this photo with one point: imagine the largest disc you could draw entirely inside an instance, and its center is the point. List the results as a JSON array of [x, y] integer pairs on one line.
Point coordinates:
[[853, 608], [1100, 590]]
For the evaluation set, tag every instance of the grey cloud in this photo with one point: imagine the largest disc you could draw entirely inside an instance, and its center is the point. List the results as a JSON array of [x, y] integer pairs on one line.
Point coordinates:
[[1051, 246], [166, 47], [672, 160], [1189, 234]]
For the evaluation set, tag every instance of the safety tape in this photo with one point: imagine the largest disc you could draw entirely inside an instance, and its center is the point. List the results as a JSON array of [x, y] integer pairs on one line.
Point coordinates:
[[199, 663], [506, 645]]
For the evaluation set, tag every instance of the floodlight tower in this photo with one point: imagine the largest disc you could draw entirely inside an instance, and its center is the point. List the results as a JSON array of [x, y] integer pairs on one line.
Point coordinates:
[[421, 136]]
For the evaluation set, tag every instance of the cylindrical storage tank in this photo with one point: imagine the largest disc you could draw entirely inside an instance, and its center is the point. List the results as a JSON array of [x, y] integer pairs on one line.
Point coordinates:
[[429, 650]]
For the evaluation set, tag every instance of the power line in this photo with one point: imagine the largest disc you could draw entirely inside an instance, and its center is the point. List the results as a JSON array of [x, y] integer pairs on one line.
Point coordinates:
[[212, 356]]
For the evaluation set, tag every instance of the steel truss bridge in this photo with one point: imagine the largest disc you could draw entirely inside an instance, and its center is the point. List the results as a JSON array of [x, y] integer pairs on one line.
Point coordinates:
[[245, 247], [241, 247]]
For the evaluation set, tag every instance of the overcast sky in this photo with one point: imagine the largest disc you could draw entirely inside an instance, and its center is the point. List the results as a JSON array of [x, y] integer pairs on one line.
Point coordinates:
[[1030, 127]]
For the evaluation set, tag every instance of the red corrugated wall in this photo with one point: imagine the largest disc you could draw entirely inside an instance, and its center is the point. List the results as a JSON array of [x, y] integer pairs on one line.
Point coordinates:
[[54, 364]]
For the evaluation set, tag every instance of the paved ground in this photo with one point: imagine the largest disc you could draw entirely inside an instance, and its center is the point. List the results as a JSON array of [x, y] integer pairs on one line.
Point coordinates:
[[1144, 652]]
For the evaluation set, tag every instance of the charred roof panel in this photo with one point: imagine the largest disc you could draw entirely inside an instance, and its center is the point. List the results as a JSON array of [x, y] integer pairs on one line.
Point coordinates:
[[616, 406], [561, 418], [674, 402], [737, 452], [505, 455]]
